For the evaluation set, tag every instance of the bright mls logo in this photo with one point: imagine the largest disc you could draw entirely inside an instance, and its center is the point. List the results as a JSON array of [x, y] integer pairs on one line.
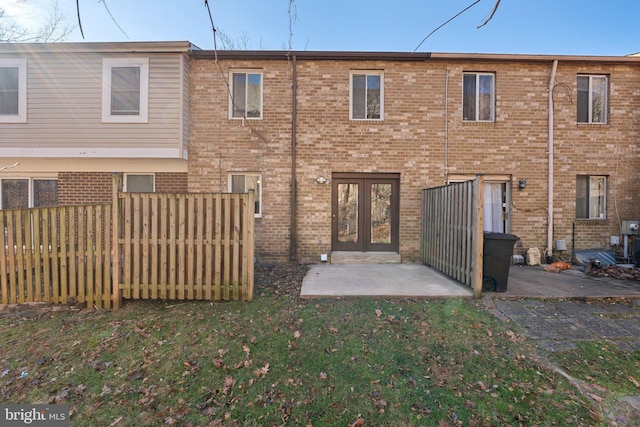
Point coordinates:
[[34, 415]]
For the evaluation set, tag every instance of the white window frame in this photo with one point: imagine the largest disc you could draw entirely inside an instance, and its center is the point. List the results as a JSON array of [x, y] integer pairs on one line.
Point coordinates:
[[107, 65], [605, 201], [366, 73], [21, 65], [259, 195], [30, 188], [605, 113], [477, 96], [231, 91], [126, 180]]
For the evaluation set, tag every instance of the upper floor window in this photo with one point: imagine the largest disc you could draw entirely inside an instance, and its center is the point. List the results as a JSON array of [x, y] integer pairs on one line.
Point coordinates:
[[592, 99], [246, 95], [242, 182], [13, 90], [591, 197], [367, 95], [139, 183], [125, 90], [478, 97], [22, 193]]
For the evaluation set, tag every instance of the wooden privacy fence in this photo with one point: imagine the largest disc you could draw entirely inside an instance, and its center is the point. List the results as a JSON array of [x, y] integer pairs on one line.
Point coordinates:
[[452, 231], [160, 246], [186, 246], [58, 255]]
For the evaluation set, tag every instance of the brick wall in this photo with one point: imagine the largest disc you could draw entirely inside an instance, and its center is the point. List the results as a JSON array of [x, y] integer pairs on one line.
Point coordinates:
[[423, 138], [84, 188]]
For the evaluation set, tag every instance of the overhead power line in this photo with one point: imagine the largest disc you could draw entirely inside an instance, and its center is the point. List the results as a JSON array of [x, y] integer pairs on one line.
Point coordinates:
[[454, 17]]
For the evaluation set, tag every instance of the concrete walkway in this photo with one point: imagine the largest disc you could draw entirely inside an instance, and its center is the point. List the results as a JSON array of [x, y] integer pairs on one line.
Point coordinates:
[[388, 280]]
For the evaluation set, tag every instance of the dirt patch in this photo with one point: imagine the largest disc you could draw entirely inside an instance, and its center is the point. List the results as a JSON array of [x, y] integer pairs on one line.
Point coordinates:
[[282, 279]]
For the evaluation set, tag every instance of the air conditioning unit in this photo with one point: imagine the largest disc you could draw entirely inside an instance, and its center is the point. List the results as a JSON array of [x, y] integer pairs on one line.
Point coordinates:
[[630, 228]]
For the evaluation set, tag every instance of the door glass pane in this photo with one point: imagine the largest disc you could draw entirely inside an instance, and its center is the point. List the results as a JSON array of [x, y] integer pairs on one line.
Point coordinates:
[[380, 213], [348, 213]]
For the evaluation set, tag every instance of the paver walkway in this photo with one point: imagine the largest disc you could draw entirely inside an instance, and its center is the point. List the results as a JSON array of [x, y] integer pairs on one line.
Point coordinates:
[[559, 325]]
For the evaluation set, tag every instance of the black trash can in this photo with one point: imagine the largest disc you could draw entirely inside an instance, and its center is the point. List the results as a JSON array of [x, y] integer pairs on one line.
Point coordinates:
[[497, 250]]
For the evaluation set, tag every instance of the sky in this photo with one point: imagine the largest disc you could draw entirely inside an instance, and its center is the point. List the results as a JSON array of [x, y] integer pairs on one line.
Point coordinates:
[[563, 27]]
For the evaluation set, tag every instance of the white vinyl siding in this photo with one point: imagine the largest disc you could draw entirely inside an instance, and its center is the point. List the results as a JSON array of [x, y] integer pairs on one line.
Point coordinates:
[[13, 90], [65, 112]]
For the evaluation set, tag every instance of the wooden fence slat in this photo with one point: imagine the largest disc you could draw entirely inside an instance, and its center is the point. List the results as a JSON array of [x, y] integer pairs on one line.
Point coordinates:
[[89, 250], [20, 224], [72, 253], [29, 252], [136, 243], [155, 260], [235, 277], [127, 249], [4, 283], [98, 253], [62, 252], [107, 290], [200, 249], [191, 237], [51, 249], [144, 265], [164, 260], [173, 229], [209, 237], [217, 270], [82, 245], [182, 235], [227, 247]]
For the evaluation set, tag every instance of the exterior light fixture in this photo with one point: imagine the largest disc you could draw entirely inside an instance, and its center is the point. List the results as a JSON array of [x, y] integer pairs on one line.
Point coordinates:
[[522, 184], [321, 180]]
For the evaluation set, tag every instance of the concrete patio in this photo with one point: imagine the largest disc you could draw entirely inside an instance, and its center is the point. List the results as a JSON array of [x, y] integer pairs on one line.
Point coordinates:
[[419, 281]]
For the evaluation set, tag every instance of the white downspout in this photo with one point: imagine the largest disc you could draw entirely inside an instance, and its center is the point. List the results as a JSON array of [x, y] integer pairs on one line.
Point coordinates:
[[549, 251]]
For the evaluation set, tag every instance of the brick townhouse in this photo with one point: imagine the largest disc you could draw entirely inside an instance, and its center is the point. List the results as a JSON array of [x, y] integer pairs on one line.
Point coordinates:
[[338, 145], [341, 143]]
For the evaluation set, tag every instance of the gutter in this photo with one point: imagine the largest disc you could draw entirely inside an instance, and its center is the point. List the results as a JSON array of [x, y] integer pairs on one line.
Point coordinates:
[[294, 188], [550, 150]]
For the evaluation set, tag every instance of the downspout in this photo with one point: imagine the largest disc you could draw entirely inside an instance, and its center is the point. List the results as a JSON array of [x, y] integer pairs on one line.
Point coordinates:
[[552, 79], [294, 120], [446, 127]]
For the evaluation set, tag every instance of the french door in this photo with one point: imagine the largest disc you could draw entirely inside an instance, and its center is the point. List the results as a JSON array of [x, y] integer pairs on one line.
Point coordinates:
[[365, 212]]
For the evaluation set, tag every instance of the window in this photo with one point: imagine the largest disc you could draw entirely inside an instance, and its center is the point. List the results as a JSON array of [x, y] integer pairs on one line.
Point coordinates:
[[243, 182], [246, 90], [22, 193], [478, 97], [591, 197], [367, 95], [143, 183], [592, 99], [13, 90], [125, 90]]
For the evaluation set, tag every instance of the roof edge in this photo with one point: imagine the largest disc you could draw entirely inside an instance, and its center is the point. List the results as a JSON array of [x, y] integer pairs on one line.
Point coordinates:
[[400, 56], [99, 47]]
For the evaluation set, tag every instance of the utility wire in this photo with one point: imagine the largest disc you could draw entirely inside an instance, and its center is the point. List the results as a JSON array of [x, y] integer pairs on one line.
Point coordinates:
[[104, 2], [458, 14], [493, 12], [79, 20], [213, 29]]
